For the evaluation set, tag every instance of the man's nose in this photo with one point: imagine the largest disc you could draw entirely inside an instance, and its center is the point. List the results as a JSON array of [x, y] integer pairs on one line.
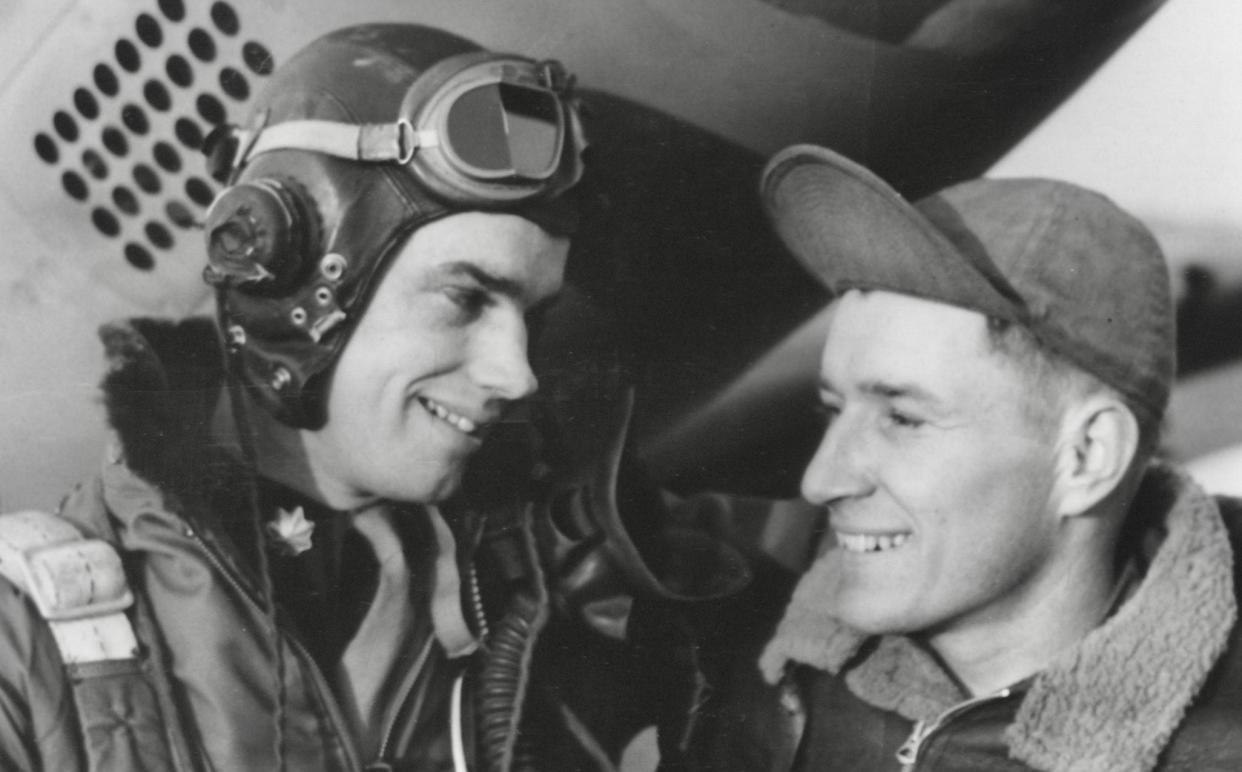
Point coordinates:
[[499, 362], [842, 465]]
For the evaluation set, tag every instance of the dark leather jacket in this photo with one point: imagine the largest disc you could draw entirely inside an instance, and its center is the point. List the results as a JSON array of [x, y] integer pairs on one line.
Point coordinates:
[[579, 644], [1158, 686]]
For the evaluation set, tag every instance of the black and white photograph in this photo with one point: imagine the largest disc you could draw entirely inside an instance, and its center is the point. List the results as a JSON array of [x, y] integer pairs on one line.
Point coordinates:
[[620, 385]]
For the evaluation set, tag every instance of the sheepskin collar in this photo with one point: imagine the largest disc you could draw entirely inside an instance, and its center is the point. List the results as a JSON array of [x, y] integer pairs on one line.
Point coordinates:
[[1114, 700], [164, 379], [161, 390]]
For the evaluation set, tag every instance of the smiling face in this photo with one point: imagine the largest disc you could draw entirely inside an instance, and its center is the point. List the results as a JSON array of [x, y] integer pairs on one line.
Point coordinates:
[[938, 484], [438, 355]]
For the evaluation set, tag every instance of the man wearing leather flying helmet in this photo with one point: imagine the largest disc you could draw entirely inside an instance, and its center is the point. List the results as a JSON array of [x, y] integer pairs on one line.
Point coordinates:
[[261, 576]]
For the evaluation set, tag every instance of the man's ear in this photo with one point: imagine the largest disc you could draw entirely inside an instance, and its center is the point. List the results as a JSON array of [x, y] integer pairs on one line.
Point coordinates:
[[1100, 437]]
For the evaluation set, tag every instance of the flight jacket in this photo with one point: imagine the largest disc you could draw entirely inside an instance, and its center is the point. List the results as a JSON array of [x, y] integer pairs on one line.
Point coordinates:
[[575, 635], [1157, 686]]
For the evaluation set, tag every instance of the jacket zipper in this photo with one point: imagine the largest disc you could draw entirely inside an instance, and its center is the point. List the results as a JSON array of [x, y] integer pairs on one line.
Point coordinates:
[[908, 753], [224, 569], [476, 610], [321, 685], [419, 664]]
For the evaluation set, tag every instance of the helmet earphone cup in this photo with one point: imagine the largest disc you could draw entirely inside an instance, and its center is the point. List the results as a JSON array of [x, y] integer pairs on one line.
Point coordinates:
[[261, 236]]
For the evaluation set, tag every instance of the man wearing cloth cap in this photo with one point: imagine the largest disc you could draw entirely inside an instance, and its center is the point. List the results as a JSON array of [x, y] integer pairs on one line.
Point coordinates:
[[1007, 580], [270, 571]]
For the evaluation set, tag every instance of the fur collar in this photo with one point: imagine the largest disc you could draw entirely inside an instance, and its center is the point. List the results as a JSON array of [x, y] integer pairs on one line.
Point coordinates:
[[163, 381], [161, 390], [1114, 700]]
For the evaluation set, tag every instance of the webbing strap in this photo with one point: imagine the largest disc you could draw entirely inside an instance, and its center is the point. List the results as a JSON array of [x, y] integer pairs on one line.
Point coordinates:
[[356, 142], [79, 587], [77, 584]]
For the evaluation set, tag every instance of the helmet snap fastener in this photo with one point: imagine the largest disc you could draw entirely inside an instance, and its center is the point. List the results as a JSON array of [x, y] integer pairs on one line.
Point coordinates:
[[298, 316], [323, 296], [281, 378], [332, 266]]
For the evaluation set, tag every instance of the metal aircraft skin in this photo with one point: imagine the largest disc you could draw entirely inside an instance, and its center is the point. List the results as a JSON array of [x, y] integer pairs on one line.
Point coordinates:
[[106, 103]]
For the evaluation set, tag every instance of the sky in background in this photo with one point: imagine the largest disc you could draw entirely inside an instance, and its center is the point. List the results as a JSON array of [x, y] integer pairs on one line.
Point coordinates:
[[1159, 127], [1159, 130]]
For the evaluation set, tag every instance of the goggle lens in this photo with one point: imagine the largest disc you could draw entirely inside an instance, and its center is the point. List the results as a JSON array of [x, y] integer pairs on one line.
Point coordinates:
[[506, 129]]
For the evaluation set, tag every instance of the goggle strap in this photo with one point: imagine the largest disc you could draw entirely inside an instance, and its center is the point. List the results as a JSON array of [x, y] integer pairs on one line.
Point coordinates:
[[352, 141]]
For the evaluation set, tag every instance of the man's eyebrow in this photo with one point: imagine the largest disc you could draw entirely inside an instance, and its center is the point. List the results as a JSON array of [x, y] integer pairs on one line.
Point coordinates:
[[889, 390], [500, 285], [885, 389], [489, 281]]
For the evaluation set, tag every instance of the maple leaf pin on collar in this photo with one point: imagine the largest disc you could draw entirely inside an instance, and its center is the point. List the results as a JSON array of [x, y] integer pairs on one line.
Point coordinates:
[[290, 533]]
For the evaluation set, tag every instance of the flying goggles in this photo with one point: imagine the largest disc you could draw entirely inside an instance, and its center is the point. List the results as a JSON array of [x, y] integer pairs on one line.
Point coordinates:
[[476, 129]]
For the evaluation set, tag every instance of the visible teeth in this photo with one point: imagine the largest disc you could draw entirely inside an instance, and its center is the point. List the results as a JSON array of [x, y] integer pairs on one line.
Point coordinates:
[[460, 422], [862, 542]]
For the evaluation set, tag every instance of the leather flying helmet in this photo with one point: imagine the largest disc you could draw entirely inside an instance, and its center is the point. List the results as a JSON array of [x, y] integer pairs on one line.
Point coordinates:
[[363, 136]]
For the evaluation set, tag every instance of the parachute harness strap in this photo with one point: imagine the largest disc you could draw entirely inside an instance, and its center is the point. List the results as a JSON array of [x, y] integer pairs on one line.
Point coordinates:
[[78, 585]]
